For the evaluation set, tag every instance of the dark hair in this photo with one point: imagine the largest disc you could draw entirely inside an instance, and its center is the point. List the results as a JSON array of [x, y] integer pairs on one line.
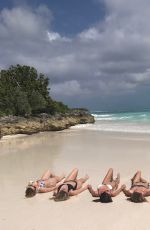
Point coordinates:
[[137, 197], [30, 191], [105, 198], [61, 196]]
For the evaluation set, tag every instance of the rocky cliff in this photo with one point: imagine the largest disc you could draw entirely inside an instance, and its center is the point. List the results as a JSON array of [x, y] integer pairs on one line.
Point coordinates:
[[18, 125]]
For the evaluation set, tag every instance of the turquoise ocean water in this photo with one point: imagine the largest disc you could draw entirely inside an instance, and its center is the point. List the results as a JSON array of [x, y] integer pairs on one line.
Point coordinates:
[[132, 122]]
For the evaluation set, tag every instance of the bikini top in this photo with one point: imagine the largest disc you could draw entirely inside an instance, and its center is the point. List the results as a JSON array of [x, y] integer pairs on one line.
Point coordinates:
[[70, 186], [41, 183], [108, 185]]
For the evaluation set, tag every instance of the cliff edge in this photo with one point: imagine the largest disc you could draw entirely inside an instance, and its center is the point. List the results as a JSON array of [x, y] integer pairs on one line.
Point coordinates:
[[10, 125]]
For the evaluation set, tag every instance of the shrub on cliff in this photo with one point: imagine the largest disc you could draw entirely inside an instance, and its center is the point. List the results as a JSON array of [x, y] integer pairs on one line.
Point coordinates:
[[25, 92]]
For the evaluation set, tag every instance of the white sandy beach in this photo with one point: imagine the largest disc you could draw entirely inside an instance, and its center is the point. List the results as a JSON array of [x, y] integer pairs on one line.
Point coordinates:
[[25, 158]]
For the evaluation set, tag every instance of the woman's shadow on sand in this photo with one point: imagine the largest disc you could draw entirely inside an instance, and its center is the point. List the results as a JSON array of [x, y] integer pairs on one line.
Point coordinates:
[[96, 200]]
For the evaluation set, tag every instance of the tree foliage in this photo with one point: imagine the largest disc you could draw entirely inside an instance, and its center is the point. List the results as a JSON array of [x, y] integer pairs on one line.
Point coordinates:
[[25, 92]]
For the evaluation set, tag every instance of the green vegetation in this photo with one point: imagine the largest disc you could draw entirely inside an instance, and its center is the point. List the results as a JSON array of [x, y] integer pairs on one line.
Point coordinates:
[[24, 92]]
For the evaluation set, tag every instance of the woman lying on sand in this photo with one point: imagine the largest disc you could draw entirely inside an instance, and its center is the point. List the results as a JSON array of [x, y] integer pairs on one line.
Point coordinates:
[[139, 189], [70, 187], [47, 183], [108, 188]]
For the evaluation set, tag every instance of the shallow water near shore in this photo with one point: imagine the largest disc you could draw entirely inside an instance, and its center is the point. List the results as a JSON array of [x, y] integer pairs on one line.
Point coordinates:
[[126, 122], [26, 158]]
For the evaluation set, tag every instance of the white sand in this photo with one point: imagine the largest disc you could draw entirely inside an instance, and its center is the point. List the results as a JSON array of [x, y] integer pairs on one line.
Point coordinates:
[[25, 158]]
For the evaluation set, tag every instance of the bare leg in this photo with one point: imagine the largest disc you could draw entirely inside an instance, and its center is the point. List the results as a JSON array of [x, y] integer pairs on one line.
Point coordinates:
[[81, 181], [109, 177], [116, 182], [143, 180], [47, 175], [72, 175], [132, 179], [137, 177], [59, 178]]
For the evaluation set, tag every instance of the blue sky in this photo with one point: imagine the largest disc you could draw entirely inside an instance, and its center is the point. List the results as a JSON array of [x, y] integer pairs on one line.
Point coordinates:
[[69, 16], [96, 53]]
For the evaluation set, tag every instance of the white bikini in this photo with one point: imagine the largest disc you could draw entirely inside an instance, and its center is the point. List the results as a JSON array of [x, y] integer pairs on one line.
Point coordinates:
[[40, 182], [108, 185]]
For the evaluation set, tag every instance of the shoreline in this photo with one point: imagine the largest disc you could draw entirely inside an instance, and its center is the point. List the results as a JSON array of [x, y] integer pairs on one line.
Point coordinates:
[[19, 125]]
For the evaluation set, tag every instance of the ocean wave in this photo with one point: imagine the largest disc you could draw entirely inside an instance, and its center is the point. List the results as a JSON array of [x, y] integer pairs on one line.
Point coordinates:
[[114, 128], [102, 115], [106, 118], [142, 117], [112, 118]]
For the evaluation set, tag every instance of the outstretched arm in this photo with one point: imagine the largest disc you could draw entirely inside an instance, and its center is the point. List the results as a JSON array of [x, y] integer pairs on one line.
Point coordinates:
[[76, 192], [116, 192], [127, 192], [43, 190], [92, 191]]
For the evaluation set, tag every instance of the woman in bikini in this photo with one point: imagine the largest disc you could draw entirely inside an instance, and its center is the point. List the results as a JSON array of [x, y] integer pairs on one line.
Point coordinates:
[[70, 187], [139, 189], [47, 183], [108, 188]]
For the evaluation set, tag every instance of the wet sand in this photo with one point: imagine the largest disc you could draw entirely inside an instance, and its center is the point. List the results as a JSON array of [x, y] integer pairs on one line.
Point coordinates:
[[27, 157]]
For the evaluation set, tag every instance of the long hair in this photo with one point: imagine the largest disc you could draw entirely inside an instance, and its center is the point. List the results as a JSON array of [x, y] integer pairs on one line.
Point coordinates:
[[105, 198], [30, 191], [137, 197], [61, 196]]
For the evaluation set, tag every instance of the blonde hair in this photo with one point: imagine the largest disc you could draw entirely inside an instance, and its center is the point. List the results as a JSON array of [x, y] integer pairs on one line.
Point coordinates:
[[61, 196]]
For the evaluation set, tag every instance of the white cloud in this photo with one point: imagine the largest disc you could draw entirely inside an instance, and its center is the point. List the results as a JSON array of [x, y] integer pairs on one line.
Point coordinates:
[[24, 22], [53, 36], [102, 61], [90, 34]]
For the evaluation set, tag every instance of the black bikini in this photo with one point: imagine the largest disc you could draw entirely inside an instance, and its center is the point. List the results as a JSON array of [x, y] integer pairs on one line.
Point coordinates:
[[70, 186]]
